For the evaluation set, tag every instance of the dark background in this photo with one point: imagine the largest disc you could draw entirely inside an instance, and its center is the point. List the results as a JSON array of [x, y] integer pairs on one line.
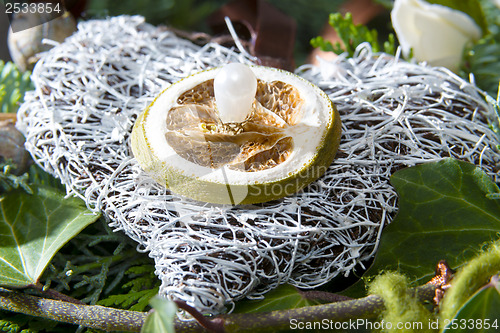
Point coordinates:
[[4, 28]]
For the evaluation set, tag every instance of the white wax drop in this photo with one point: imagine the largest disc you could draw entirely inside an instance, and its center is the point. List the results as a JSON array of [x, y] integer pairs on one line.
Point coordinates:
[[235, 86]]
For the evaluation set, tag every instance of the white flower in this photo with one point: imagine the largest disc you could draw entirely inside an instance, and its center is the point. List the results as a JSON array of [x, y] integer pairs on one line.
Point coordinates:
[[437, 34]]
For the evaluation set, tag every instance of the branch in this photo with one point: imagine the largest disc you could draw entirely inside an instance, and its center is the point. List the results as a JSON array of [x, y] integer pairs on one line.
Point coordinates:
[[54, 294], [363, 308], [323, 296], [8, 116], [109, 319], [92, 316]]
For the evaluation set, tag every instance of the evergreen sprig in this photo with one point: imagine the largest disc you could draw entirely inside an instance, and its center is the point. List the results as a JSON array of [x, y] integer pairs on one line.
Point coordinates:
[[142, 285], [9, 181], [98, 266], [13, 85], [19, 323], [351, 36], [481, 58]]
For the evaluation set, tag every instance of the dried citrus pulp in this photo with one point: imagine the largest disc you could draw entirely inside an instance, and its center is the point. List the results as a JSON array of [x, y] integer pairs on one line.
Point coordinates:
[[237, 135]]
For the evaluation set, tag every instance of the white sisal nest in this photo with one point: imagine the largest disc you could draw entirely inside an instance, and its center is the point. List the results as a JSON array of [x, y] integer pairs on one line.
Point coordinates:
[[90, 89]]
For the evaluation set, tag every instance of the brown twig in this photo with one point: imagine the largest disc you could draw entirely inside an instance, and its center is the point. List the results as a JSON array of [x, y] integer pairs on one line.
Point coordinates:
[[215, 325], [363, 308], [8, 116], [54, 294], [323, 296]]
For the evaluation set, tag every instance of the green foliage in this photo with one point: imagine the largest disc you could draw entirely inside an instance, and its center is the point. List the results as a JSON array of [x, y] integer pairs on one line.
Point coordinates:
[[162, 319], [185, 14], [96, 267], [401, 306], [13, 85], [386, 3], [36, 176], [481, 58], [142, 285], [447, 211], [495, 125], [15, 323], [472, 276], [444, 212], [310, 16], [99, 263], [10, 182], [33, 227], [93, 266], [352, 35], [282, 298], [482, 61], [491, 14], [471, 304], [481, 313]]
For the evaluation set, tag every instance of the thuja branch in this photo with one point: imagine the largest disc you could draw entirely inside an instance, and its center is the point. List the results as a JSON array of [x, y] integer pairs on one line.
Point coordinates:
[[109, 319]]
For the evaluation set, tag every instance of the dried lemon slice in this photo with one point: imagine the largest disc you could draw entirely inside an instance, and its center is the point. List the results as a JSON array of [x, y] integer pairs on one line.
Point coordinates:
[[286, 139]]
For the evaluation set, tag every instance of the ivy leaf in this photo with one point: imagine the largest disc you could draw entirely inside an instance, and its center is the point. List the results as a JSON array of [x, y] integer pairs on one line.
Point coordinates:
[[446, 211], [162, 319], [282, 298], [469, 7], [481, 313], [33, 227]]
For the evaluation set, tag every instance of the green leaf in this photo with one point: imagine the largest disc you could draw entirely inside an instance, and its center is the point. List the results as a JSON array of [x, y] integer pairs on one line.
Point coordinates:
[[444, 213], [481, 313], [482, 61], [469, 7], [162, 319], [282, 298], [33, 228], [352, 35]]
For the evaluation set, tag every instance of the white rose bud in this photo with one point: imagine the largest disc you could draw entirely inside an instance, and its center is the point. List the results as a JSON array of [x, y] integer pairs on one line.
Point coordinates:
[[437, 34]]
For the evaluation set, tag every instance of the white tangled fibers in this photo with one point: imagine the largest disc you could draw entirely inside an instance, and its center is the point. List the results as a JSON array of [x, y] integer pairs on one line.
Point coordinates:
[[90, 89]]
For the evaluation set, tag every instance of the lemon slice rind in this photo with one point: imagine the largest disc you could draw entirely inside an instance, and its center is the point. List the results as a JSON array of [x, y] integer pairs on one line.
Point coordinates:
[[315, 137]]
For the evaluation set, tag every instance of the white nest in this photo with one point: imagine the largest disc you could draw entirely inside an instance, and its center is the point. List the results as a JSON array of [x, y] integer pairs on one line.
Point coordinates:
[[90, 89]]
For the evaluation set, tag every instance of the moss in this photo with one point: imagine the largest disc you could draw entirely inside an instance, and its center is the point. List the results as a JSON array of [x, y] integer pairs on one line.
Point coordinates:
[[401, 305]]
